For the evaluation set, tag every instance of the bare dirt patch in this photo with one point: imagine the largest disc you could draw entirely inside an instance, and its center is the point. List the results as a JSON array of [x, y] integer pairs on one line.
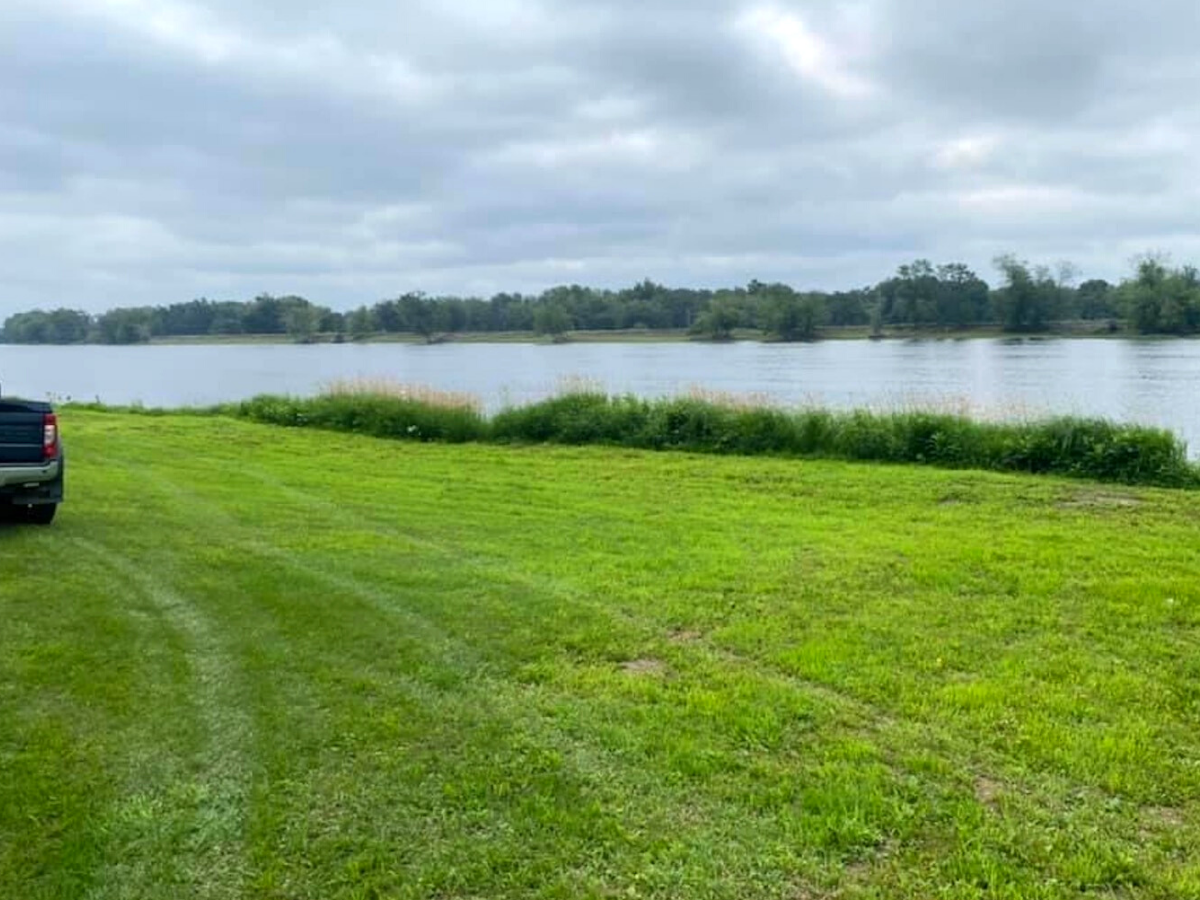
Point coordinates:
[[958, 497], [988, 792], [805, 892], [644, 667], [1163, 817], [1099, 500]]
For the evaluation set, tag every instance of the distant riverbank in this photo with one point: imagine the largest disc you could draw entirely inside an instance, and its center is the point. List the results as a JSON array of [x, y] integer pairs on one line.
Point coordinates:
[[1078, 329], [470, 337]]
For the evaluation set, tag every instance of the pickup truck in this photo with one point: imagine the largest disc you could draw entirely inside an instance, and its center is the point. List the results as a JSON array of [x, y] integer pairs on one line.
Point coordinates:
[[31, 461]]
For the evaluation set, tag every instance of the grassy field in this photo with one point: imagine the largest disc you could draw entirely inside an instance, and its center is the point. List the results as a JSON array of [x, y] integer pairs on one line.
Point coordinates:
[[255, 662]]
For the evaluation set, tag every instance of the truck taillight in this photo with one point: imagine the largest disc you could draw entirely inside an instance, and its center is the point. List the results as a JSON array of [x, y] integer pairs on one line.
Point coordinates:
[[50, 437]]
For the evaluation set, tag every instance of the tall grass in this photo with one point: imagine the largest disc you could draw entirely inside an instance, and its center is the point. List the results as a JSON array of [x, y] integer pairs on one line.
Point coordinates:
[[380, 408], [388, 387], [705, 423]]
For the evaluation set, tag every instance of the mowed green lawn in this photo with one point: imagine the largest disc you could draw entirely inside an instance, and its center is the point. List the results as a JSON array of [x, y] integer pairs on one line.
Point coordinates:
[[252, 662]]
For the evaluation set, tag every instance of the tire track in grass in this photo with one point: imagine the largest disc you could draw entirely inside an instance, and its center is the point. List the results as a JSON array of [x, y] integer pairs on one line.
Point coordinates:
[[523, 707], [891, 734], [587, 760], [185, 838], [862, 716], [583, 753], [248, 539], [599, 772], [867, 713], [586, 764], [435, 641]]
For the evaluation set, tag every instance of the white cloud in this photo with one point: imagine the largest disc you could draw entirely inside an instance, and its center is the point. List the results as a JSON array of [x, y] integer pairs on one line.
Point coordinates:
[[158, 149], [966, 152], [319, 59], [813, 56], [170, 23], [648, 148]]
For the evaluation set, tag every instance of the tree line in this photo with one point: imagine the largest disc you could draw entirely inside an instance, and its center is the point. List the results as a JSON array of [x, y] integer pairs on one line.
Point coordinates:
[[1156, 298]]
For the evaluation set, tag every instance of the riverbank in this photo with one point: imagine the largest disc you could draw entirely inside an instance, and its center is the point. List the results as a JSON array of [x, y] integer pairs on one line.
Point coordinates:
[[481, 337], [1080, 329], [256, 661]]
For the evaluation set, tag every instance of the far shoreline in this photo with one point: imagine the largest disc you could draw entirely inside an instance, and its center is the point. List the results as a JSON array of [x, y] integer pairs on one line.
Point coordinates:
[[1090, 330]]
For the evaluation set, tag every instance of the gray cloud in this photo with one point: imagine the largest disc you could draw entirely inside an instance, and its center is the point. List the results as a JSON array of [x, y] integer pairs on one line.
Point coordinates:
[[155, 151]]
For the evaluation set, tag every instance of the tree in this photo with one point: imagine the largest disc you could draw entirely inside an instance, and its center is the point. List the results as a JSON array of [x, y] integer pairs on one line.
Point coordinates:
[[388, 316], [1161, 300], [330, 322], [721, 317], [227, 319], [124, 326], [27, 328], [850, 307], [917, 292], [551, 320], [59, 326], [1156, 298], [192, 318], [963, 298], [449, 315], [683, 306], [1141, 296], [950, 296], [417, 314], [264, 316], [791, 316], [302, 321], [361, 323], [1095, 299], [510, 312], [1029, 299], [876, 321]]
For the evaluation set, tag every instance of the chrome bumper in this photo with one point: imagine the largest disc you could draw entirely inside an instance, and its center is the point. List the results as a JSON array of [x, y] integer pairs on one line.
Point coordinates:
[[19, 476]]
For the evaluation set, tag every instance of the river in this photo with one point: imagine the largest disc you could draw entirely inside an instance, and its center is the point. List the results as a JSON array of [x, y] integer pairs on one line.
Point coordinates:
[[1153, 382]]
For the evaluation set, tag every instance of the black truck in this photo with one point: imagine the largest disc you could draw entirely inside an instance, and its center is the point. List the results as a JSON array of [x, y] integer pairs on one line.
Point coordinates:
[[31, 461]]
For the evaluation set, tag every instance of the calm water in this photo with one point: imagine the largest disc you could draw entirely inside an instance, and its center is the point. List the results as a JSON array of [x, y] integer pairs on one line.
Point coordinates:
[[1155, 382]]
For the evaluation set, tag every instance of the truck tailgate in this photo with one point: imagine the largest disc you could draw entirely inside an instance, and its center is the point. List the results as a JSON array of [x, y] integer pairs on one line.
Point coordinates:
[[21, 434]]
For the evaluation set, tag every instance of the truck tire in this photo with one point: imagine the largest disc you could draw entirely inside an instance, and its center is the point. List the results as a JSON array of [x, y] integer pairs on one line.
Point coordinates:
[[42, 514]]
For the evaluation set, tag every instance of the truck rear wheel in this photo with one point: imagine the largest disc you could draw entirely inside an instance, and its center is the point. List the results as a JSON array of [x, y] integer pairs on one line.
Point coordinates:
[[43, 514]]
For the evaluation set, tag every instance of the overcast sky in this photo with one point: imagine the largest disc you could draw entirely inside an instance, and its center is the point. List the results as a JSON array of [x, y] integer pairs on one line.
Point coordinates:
[[152, 151]]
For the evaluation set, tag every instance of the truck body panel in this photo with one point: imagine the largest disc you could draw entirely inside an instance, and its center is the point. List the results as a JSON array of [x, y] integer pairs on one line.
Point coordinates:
[[32, 465]]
